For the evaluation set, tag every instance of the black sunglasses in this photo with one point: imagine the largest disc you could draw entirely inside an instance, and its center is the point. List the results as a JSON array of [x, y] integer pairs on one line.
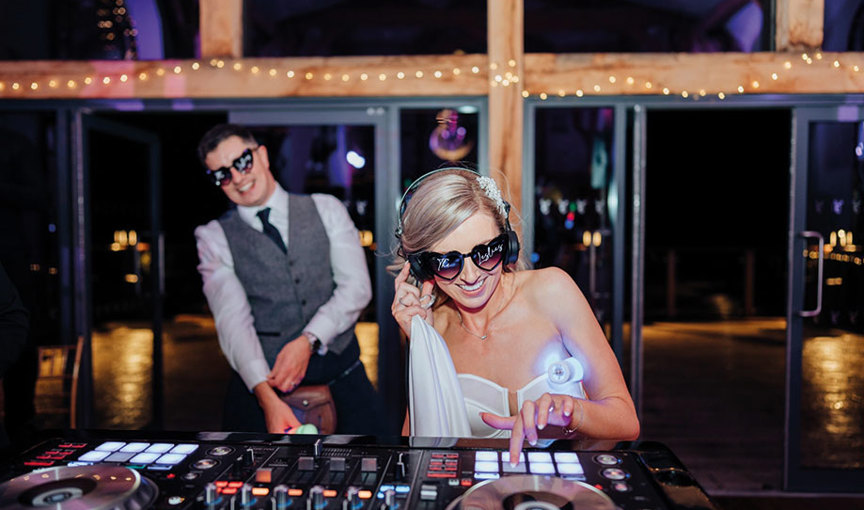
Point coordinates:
[[449, 265], [243, 163]]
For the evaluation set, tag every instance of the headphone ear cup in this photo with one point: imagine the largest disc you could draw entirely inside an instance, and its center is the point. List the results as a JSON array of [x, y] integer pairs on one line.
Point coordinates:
[[512, 247], [417, 271]]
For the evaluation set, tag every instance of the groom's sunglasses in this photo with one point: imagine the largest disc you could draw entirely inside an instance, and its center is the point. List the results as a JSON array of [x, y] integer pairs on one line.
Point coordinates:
[[243, 163], [449, 265]]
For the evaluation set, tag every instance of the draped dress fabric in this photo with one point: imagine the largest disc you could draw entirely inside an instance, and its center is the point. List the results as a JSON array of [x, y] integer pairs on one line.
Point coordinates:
[[443, 403]]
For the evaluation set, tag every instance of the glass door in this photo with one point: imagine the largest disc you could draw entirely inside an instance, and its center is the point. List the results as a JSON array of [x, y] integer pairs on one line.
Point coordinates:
[[121, 289], [825, 384]]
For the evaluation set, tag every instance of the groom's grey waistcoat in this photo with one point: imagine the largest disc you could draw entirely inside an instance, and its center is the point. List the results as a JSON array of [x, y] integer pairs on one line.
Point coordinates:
[[284, 289]]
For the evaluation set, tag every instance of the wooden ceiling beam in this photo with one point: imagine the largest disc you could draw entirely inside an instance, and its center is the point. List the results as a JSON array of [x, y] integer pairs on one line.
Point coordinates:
[[798, 25]]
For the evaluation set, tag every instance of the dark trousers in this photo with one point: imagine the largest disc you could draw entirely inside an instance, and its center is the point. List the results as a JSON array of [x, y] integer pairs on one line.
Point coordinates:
[[357, 409]]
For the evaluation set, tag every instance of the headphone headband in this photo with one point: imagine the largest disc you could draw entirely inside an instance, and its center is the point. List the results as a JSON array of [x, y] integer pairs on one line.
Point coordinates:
[[419, 272]]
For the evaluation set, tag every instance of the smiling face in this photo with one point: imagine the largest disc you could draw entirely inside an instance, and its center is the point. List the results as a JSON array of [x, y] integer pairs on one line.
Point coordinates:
[[473, 287], [252, 188]]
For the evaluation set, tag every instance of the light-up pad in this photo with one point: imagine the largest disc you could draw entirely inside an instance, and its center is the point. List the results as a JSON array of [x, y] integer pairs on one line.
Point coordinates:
[[119, 457], [570, 469], [110, 446], [568, 457], [135, 447], [539, 457], [542, 468], [486, 456], [184, 448], [486, 467], [171, 458], [144, 458], [94, 456], [159, 447]]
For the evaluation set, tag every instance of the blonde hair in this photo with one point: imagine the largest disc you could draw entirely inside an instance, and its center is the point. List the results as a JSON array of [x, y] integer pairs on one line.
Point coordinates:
[[442, 202]]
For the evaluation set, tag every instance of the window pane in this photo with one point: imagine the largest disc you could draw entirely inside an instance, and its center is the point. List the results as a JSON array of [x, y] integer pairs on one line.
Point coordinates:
[[98, 29], [561, 26], [377, 27], [572, 227], [431, 138]]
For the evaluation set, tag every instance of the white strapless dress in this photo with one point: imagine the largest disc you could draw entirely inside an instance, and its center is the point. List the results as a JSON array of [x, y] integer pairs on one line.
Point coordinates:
[[443, 403]]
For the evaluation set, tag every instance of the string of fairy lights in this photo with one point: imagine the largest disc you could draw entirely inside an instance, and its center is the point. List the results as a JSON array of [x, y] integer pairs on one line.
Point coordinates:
[[502, 74]]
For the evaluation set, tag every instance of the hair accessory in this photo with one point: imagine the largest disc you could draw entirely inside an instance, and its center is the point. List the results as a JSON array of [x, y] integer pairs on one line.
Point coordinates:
[[487, 184]]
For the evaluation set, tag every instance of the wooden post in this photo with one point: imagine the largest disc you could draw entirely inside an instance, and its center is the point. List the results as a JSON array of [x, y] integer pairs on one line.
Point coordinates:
[[798, 25], [221, 27], [506, 55]]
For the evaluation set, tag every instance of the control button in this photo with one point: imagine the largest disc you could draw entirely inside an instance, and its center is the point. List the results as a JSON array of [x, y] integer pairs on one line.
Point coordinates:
[[316, 498], [607, 459], [306, 463], [176, 500], [159, 447], [389, 500], [621, 486], [400, 468], [263, 475], [352, 499], [280, 496], [211, 494], [614, 474], [428, 492], [260, 491], [220, 451], [246, 497], [192, 475], [205, 464], [369, 464], [337, 464], [248, 457], [135, 447], [108, 446]]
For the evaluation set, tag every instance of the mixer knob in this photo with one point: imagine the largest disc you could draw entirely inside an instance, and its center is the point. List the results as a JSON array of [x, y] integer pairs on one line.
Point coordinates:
[[211, 494], [246, 498], [280, 496], [352, 499], [316, 498], [248, 457], [389, 500], [400, 468]]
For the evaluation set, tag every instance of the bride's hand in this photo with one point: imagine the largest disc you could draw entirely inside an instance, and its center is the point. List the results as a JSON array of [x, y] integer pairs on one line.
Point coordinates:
[[535, 415], [409, 301]]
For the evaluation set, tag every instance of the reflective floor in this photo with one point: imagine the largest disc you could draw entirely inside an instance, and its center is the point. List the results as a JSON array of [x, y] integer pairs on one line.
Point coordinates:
[[713, 391]]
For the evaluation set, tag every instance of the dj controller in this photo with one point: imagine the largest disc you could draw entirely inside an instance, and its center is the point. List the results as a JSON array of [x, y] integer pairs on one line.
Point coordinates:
[[235, 471]]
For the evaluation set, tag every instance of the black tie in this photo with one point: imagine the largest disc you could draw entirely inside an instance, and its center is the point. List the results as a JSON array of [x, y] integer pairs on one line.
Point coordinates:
[[271, 231]]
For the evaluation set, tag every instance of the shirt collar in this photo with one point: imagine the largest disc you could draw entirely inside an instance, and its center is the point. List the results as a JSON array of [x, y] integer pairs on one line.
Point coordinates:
[[278, 204]]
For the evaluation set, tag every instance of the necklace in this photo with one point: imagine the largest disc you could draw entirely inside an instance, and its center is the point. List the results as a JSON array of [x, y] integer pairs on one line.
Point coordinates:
[[468, 330]]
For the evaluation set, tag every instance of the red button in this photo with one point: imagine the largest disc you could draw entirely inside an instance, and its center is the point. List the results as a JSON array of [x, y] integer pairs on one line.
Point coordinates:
[[432, 474], [221, 483], [39, 463], [466, 482], [229, 490]]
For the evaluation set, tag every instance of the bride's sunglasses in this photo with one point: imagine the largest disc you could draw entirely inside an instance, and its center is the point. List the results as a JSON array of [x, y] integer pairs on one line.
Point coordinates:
[[243, 163], [448, 265]]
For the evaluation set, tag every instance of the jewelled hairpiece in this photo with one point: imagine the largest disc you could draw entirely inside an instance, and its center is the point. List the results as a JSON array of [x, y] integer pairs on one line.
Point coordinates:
[[487, 184]]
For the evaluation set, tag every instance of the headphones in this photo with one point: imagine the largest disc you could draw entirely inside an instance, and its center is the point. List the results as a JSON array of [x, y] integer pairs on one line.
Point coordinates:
[[418, 271]]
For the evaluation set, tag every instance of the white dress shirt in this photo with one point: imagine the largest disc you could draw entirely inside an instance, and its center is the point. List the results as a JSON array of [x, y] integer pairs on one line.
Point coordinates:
[[227, 298]]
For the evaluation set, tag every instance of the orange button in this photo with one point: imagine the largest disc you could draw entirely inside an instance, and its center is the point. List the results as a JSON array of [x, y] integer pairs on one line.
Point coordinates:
[[260, 491], [330, 493], [229, 490], [295, 492], [221, 483], [364, 494], [235, 484]]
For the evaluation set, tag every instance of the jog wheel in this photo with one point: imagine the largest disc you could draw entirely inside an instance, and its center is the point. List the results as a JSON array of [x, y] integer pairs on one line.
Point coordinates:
[[532, 492], [78, 488]]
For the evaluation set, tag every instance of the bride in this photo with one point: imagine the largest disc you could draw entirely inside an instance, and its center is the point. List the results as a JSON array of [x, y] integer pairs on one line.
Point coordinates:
[[520, 349]]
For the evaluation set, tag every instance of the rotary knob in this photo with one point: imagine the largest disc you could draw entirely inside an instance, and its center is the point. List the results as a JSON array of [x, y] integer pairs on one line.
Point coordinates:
[[246, 498], [316, 498], [280, 496], [211, 494], [389, 500], [352, 499]]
